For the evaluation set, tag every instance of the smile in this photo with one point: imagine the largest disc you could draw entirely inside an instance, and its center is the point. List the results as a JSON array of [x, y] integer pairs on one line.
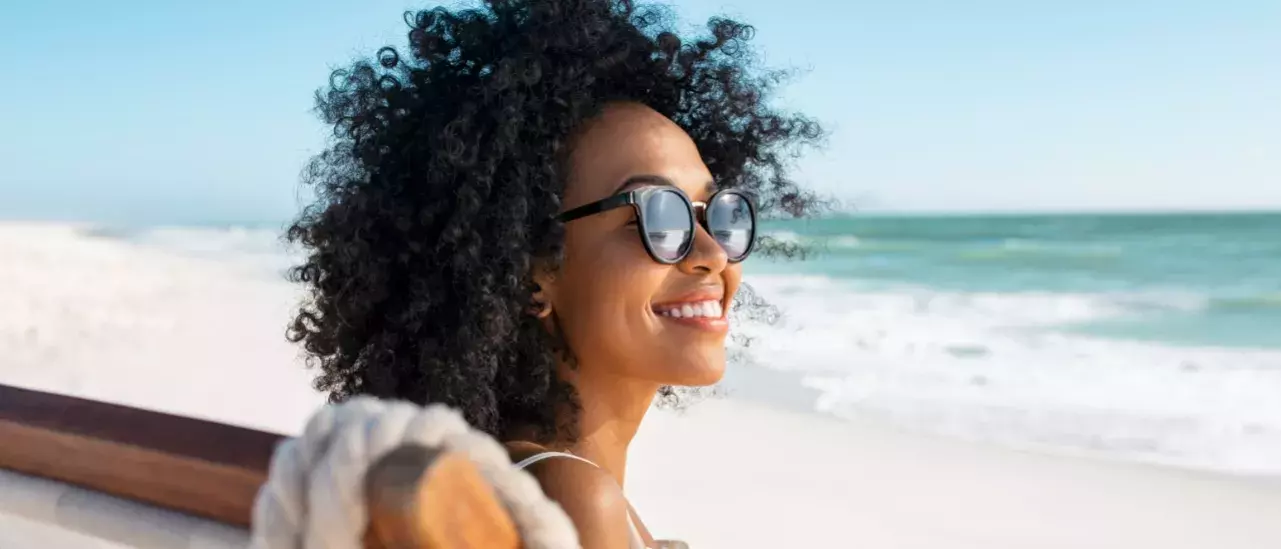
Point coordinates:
[[696, 309]]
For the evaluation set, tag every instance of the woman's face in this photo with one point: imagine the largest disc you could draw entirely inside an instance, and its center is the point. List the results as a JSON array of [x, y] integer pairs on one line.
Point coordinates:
[[608, 295]]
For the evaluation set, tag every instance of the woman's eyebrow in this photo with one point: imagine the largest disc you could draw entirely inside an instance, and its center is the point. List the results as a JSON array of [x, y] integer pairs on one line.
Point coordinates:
[[650, 179], [643, 180]]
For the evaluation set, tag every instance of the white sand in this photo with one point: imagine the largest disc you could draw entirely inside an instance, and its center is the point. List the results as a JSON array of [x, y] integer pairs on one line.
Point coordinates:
[[109, 320]]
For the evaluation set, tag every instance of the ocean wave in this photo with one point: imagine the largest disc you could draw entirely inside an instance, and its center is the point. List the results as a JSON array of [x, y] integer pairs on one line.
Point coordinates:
[[253, 248], [994, 367], [1021, 249], [1153, 302], [991, 250], [846, 241], [1263, 303], [784, 236], [106, 231]]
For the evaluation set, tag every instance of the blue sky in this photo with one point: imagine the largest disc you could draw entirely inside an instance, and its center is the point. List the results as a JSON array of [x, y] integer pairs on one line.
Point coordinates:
[[151, 111]]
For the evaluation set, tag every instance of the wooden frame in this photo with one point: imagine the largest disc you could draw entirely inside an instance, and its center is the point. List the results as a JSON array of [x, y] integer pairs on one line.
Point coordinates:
[[198, 467], [417, 498]]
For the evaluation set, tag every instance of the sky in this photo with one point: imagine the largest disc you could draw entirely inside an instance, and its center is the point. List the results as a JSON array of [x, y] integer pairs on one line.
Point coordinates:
[[200, 112]]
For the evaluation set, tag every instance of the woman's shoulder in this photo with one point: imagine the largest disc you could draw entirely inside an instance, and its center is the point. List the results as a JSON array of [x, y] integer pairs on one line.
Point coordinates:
[[587, 493], [561, 472]]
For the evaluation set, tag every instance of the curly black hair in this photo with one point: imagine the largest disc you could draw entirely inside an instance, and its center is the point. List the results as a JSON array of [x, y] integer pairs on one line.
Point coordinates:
[[440, 189]]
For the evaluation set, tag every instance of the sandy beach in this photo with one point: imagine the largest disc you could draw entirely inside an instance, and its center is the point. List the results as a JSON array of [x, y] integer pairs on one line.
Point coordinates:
[[203, 335]]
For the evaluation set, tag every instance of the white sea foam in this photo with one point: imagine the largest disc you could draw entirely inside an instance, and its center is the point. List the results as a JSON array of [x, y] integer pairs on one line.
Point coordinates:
[[845, 241], [985, 366], [255, 248]]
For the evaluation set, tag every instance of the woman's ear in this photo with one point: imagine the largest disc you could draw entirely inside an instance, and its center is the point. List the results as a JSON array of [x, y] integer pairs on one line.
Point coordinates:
[[543, 295]]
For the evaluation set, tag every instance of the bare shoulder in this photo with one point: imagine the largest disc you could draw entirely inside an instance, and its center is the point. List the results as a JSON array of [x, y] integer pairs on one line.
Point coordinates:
[[591, 498]]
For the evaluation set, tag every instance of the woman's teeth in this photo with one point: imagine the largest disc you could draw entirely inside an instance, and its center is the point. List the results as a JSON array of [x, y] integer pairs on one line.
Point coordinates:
[[700, 309]]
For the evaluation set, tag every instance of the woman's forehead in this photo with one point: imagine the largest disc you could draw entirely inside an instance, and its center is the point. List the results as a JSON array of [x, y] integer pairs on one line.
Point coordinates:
[[627, 141]]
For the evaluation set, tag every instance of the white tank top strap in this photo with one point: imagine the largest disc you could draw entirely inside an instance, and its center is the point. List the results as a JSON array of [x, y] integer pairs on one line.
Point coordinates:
[[545, 455], [636, 542]]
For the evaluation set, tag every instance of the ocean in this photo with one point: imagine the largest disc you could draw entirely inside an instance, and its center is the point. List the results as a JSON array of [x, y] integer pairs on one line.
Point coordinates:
[[1153, 338], [1206, 279]]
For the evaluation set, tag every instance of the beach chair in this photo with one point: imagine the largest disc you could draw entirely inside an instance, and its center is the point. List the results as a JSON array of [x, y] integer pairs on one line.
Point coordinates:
[[152, 480]]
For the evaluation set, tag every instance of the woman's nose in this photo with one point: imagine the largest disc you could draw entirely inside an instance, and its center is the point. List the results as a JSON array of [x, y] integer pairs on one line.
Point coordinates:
[[707, 255]]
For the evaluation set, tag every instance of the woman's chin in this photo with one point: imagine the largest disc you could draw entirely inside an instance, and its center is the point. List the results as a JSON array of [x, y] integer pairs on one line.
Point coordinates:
[[698, 374]]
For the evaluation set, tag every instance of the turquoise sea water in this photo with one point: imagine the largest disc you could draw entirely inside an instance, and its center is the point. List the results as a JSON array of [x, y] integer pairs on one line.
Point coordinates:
[[1184, 279]]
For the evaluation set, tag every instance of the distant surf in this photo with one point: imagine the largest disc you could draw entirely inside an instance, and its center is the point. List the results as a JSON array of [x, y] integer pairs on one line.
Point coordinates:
[[1146, 337]]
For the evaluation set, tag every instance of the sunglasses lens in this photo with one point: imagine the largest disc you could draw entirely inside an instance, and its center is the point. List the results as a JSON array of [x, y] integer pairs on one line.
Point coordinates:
[[732, 223], [668, 225]]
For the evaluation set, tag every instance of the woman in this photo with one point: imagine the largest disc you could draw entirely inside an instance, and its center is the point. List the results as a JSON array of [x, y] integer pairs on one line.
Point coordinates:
[[536, 214]]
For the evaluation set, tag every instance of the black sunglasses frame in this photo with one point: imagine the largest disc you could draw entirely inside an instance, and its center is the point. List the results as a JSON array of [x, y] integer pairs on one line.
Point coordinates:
[[697, 212]]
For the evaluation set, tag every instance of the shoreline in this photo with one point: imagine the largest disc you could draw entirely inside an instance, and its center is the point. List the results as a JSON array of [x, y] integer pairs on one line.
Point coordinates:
[[748, 385]]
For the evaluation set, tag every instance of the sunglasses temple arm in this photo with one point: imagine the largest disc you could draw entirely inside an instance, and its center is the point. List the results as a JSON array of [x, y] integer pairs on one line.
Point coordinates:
[[616, 201]]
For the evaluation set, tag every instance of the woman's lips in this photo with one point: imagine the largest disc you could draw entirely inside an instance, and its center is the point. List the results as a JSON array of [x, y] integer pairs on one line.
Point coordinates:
[[705, 314], [708, 308]]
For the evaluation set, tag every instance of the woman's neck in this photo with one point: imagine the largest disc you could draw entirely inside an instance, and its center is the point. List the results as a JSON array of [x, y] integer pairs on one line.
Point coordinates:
[[612, 409]]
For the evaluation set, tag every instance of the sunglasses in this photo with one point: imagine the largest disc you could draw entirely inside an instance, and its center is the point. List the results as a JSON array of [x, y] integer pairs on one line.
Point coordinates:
[[666, 216]]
